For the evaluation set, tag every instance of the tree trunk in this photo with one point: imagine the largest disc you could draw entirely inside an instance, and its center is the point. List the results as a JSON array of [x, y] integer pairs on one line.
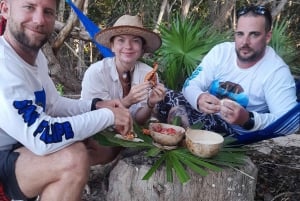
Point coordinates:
[[161, 13], [65, 76], [185, 7], [125, 183], [61, 11], [220, 12], [279, 8], [64, 33], [76, 33], [80, 51]]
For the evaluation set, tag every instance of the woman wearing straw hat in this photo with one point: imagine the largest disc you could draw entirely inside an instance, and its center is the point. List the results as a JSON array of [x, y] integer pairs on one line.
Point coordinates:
[[123, 76]]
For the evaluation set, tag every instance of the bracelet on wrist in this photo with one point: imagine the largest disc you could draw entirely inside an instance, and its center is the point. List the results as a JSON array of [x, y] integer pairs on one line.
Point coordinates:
[[149, 105], [249, 124], [94, 102]]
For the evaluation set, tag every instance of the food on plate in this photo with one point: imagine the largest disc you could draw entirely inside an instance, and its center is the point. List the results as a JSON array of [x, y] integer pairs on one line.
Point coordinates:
[[146, 131], [160, 129], [135, 139], [166, 134], [130, 135]]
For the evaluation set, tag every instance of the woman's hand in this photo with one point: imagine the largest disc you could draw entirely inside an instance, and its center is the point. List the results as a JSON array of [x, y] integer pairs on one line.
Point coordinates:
[[157, 94], [137, 94]]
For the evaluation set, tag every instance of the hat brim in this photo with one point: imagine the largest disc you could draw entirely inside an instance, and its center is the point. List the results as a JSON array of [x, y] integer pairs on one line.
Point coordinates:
[[153, 41]]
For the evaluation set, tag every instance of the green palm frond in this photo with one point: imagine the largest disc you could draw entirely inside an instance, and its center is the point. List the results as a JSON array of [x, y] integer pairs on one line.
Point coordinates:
[[156, 165], [284, 45], [178, 160], [178, 167], [184, 44]]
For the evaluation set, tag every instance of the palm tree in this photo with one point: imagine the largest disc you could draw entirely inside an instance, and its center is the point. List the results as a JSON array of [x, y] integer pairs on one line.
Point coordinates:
[[284, 45], [184, 44]]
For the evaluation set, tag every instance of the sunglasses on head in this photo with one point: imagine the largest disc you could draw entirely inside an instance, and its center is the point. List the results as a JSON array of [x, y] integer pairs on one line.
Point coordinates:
[[260, 10]]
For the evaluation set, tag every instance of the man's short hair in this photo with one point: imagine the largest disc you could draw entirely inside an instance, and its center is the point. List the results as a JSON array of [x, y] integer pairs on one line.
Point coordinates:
[[256, 11]]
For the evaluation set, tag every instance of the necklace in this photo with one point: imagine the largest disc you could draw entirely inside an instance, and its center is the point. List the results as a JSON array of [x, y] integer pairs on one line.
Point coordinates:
[[126, 78]]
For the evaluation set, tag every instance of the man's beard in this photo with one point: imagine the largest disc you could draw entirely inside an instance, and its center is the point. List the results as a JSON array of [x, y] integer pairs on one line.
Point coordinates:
[[22, 38], [255, 56]]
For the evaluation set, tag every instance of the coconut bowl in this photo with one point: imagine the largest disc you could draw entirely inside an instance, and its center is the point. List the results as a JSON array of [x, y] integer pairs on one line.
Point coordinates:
[[202, 143], [166, 134]]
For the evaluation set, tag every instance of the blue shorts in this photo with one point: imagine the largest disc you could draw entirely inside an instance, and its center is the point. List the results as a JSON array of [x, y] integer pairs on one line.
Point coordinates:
[[8, 176]]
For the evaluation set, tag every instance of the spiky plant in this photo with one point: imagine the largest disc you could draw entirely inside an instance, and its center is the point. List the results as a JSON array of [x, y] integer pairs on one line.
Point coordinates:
[[184, 44], [284, 45], [177, 161]]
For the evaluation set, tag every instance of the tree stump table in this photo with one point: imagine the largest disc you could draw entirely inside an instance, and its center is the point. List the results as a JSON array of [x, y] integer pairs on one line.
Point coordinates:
[[125, 183]]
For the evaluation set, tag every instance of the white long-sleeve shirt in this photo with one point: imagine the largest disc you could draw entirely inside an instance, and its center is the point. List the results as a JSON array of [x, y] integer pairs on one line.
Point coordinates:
[[32, 112], [268, 86], [101, 80]]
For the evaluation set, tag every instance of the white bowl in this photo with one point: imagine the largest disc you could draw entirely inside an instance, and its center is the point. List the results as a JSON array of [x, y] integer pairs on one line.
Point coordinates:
[[202, 143], [163, 138]]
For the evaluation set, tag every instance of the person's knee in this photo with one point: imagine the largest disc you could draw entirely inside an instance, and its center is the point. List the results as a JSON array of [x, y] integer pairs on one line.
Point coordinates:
[[75, 159]]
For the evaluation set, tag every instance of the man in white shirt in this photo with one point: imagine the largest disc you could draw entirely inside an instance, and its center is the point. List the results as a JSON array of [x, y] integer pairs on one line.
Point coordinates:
[[42, 152], [238, 86]]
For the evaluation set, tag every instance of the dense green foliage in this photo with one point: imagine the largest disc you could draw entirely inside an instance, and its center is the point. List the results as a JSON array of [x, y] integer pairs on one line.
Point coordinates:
[[284, 45], [185, 43], [106, 12]]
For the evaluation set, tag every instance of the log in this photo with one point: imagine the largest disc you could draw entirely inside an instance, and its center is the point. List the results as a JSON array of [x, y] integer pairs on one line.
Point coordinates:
[[125, 183]]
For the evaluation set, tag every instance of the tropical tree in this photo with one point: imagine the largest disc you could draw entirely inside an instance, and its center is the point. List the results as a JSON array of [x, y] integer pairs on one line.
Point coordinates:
[[70, 41], [284, 44], [184, 43]]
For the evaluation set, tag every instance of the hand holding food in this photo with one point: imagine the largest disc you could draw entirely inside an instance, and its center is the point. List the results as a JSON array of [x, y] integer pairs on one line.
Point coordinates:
[[151, 76], [232, 112], [136, 94], [123, 120], [208, 103], [156, 94]]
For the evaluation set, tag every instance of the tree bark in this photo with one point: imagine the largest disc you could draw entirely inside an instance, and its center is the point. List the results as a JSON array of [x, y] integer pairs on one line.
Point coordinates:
[[185, 7], [220, 12], [161, 14], [125, 183], [61, 11], [80, 51], [65, 76], [279, 8], [76, 33], [67, 29]]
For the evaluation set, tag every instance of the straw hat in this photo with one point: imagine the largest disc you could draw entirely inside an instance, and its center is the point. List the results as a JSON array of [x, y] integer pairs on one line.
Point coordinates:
[[131, 25]]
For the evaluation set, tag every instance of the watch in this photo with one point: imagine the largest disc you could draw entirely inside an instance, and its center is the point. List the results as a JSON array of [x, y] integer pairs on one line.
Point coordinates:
[[94, 102], [248, 125]]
